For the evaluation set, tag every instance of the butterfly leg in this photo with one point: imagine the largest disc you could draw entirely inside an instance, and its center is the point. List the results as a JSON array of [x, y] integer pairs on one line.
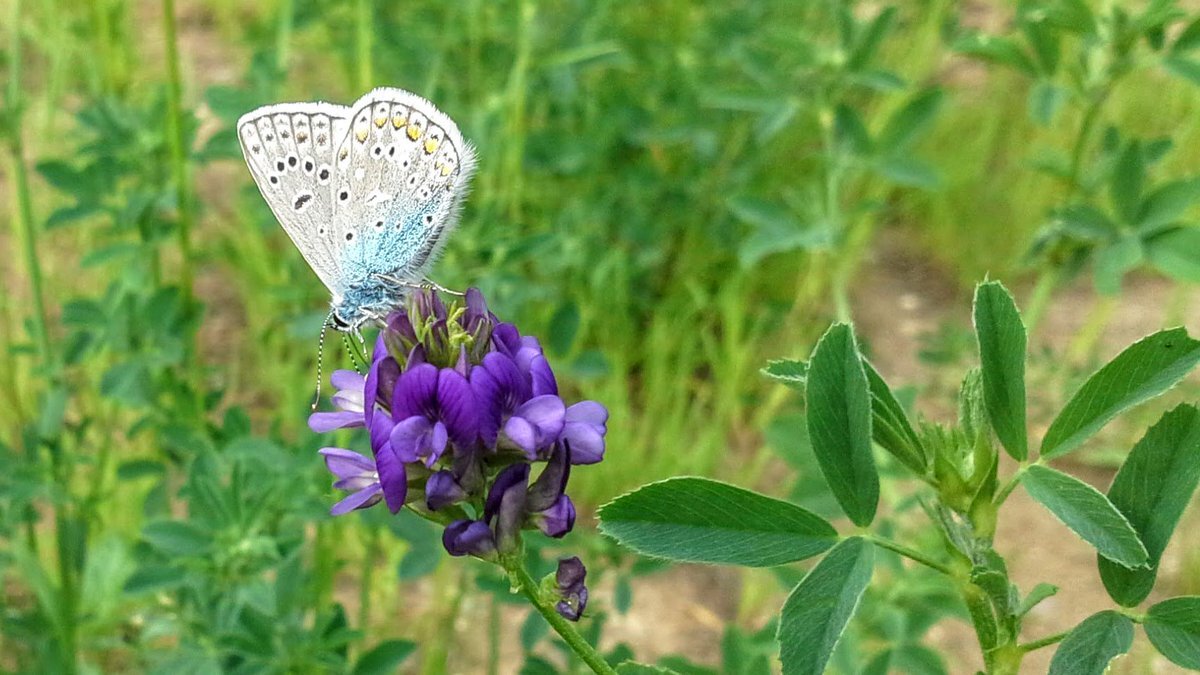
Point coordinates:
[[424, 284]]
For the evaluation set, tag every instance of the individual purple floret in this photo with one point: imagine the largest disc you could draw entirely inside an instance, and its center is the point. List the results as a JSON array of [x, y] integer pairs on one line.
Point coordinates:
[[572, 591]]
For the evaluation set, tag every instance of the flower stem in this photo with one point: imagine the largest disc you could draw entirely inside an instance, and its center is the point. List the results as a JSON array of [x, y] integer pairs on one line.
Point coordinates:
[[909, 553], [529, 588], [363, 38], [1044, 642]]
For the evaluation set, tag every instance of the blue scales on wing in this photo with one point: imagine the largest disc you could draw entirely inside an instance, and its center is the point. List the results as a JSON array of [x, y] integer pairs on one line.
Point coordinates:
[[401, 173]]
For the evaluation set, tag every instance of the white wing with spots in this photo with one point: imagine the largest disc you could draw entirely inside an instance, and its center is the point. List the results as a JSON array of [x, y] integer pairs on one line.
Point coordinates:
[[402, 168], [290, 151]]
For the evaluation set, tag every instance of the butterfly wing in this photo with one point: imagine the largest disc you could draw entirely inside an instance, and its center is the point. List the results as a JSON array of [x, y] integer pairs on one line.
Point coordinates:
[[402, 171], [290, 149]]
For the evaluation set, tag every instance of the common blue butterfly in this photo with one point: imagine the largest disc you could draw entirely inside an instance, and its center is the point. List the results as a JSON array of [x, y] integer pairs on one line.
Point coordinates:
[[368, 193]]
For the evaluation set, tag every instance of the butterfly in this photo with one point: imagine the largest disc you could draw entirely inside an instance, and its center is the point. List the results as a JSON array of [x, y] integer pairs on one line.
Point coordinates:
[[368, 193]]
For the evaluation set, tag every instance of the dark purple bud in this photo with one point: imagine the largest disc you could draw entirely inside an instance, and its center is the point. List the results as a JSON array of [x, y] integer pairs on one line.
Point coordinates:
[[399, 335], [476, 314], [552, 482], [429, 304], [511, 518], [463, 365], [570, 581], [506, 339], [511, 476], [442, 490], [469, 537], [557, 520]]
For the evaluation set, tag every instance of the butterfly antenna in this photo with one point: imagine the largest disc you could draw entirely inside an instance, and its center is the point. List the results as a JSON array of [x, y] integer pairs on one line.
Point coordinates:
[[320, 360]]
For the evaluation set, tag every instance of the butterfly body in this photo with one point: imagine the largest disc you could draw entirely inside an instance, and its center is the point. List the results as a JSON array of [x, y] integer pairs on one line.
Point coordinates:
[[368, 193]]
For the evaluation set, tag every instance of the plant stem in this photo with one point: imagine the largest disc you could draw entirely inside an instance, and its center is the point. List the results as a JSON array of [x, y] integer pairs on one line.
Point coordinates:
[[362, 44], [909, 553], [1047, 283], [1044, 642], [366, 579], [283, 37], [23, 221], [1011, 485], [178, 148], [529, 588], [1090, 116], [493, 667]]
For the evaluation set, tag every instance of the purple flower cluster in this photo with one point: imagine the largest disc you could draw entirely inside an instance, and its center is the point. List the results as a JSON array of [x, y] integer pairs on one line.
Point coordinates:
[[459, 406]]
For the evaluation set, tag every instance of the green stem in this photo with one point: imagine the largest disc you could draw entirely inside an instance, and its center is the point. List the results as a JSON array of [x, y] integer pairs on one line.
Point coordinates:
[[1011, 484], [362, 43], [1044, 642], [178, 149], [23, 223], [909, 553], [366, 579], [493, 666], [529, 588], [283, 37], [1047, 283], [1090, 117]]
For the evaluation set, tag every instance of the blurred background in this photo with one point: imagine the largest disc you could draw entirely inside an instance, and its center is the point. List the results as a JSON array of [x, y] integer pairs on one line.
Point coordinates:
[[670, 194]]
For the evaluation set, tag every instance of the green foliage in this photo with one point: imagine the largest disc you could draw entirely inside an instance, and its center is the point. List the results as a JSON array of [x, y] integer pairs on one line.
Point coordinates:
[[1002, 357], [818, 609], [1173, 627], [1091, 645], [1088, 513], [1144, 370], [1151, 490], [839, 422], [701, 520]]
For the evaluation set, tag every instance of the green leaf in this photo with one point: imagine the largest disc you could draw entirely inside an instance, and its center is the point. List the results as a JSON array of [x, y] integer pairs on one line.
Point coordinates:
[[850, 133], [908, 123], [1114, 261], [1189, 38], [792, 372], [818, 609], [1125, 186], [178, 538], [839, 423], [890, 426], [908, 171], [1184, 67], [997, 49], [1151, 490], [1173, 627], [1167, 203], [1001, 336], [1039, 593], [1144, 370], [1090, 646], [384, 658], [1176, 253], [700, 520], [868, 41], [1045, 100], [1087, 512]]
